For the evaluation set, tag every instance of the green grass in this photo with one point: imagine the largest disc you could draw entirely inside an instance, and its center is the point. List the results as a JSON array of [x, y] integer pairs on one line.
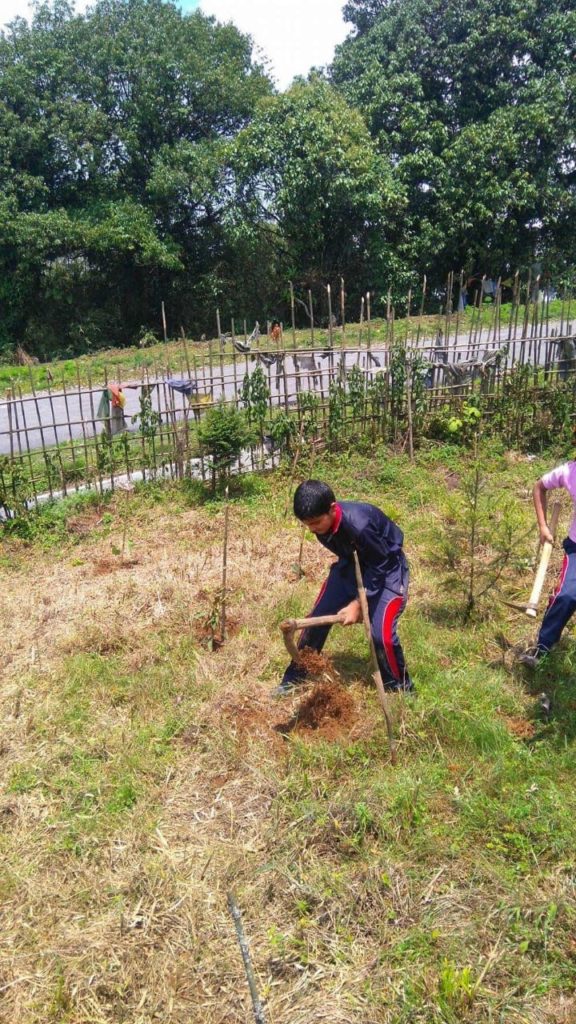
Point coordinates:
[[143, 779]]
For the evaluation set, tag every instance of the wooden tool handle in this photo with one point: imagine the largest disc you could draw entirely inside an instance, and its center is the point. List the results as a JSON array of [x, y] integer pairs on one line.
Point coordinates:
[[532, 606], [291, 625]]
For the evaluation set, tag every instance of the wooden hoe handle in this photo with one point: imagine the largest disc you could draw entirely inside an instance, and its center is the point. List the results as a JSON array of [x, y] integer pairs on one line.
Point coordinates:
[[532, 606]]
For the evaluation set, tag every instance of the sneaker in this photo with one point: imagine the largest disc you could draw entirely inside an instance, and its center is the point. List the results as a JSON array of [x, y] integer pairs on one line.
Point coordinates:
[[527, 659], [396, 687], [286, 688]]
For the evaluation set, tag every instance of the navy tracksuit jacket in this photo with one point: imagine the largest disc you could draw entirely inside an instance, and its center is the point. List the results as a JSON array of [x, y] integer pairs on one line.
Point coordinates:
[[378, 542]]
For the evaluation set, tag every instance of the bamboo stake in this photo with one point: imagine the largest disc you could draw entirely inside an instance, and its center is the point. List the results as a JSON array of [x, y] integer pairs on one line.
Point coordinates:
[[421, 313], [292, 313], [224, 570], [10, 429], [376, 674], [28, 449], [237, 918], [369, 342], [460, 285], [84, 438], [164, 323], [72, 447], [342, 306], [311, 309], [39, 418]]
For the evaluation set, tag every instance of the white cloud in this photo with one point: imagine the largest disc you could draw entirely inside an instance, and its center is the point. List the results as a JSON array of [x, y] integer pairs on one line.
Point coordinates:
[[294, 35], [10, 9]]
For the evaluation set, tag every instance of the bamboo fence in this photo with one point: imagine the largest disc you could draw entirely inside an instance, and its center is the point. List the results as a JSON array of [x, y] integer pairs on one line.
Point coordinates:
[[62, 439]]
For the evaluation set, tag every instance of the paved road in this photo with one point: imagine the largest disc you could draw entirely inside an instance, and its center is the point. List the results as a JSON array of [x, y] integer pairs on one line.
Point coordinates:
[[57, 416]]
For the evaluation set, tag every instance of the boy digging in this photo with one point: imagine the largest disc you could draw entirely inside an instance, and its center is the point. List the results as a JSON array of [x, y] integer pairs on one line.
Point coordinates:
[[343, 527]]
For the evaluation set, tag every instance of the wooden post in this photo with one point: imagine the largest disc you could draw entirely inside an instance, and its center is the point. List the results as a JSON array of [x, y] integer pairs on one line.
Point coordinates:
[[10, 428], [28, 450], [421, 313], [82, 421], [164, 322], [224, 570], [292, 313]]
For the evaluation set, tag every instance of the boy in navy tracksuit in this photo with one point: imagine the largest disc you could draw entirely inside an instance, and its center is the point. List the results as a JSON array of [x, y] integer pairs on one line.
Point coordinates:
[[343, 527]]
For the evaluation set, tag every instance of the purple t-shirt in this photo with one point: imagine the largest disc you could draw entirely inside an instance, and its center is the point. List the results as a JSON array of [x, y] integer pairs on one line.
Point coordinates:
[[564, 476]]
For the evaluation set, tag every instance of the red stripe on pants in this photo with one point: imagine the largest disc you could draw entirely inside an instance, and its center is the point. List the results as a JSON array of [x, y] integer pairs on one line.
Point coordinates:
[[392, 610], [563, 572]]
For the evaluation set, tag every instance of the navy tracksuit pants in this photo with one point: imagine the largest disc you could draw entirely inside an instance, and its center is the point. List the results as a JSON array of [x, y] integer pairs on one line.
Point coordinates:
[[562, 604], [385, 609]]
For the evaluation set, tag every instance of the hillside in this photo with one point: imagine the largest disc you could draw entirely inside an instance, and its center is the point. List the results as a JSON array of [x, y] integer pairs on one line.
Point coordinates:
[[147, 773]]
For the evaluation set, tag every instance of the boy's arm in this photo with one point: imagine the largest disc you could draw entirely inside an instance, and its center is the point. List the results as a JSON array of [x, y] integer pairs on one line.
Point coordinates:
[[539, 495]]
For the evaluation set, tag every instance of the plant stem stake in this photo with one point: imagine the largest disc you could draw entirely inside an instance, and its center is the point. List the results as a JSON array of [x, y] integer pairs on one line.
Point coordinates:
[[224, 570], [376, 674], [237, 918]]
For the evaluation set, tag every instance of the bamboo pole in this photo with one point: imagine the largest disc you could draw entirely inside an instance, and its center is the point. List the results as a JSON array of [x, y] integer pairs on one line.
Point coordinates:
[[237, 918], [83, 424], [164, 322], [28, 449], [292, 313], [224, 570], [311, 312], [10, 427]]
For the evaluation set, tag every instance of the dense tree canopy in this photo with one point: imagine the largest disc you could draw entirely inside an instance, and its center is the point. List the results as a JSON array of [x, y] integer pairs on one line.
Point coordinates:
[[112, 185], [145, 158], [474, 104], [309, 174]]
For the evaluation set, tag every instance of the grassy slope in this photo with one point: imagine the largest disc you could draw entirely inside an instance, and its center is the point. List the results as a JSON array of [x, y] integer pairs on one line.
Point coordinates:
[[143, 779]]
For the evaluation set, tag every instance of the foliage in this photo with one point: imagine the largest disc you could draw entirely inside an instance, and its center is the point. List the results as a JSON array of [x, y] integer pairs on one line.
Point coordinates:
[[223, 433], [114, 126], [461, 426], [284, 430], [474, 107], [481, 535], [309, 176], [255, 396]]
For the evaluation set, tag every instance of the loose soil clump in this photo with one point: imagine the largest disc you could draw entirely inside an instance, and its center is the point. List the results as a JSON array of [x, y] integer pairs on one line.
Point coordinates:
[[328, 711]]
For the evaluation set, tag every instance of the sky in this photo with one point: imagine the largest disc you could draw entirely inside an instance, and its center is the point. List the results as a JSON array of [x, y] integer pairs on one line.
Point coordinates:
[[294, 35]]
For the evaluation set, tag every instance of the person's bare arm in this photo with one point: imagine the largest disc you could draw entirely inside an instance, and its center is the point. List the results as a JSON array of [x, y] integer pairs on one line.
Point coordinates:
[[539, 495]]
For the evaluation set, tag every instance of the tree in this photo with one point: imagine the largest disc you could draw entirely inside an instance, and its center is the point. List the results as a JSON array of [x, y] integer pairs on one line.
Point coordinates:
[[112, 181], [309, 178], [474, 105]]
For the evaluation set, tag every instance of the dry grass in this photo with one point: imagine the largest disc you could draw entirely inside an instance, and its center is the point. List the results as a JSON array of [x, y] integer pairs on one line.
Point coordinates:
[[147, 774]]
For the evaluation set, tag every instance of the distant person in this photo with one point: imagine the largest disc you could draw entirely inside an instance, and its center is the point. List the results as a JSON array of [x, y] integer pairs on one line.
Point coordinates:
[[344, 527], [562, 604]]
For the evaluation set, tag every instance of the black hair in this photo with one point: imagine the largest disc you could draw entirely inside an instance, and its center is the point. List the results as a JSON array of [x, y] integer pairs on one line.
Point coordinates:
[[312, 498]]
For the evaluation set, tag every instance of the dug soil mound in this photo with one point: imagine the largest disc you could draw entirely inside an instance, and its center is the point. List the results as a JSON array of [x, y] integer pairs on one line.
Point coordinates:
[[328, 711]]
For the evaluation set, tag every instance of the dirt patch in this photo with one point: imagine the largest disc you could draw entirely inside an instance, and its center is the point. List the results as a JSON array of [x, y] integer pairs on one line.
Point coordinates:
[[84, 523], [103, 566], [520, 727], [328, 711], [318, 666]]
